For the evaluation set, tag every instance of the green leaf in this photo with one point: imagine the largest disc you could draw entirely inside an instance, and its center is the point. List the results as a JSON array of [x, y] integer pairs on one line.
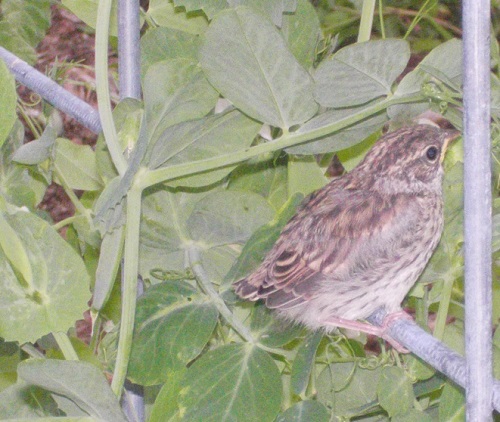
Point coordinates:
[[176, 91], [262, 241], [345, 387], [76, 165], [21, 402], [304, 175], [452, 404], [233, 382], [23, 25], [304, 411], [268, 178], [394, 391], [302, 31], [37, 151], [445, 59], [209, 7], [107, 268], [201, 139], [272, 9], [165, 14], [271, 331], [173, 324], [86, 10], [81, 382], [346, 138], [154, 45], [304, 362], [21, 186], [360, 72], [8, 102], [165, 408], [228, 217], [413, 415], [255, 70], [60, 289]]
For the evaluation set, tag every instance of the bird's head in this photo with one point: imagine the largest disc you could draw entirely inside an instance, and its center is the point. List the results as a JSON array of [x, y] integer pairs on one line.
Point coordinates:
[[408, 160]]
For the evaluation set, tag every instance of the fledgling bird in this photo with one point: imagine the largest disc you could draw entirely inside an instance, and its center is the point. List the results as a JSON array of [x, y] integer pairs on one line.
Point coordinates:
[[360, 242]]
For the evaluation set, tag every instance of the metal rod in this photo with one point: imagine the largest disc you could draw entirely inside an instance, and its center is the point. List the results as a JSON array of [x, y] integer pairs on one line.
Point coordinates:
[[129, 61], [51, 91], [435, 353], [477, 209]]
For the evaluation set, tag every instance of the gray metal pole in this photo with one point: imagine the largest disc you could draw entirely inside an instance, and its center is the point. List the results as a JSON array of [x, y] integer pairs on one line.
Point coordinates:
[[477, 209], [129, 61], [51, 91]]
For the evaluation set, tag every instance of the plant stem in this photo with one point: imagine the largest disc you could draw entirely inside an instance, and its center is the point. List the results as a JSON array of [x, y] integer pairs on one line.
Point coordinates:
[[444, 305], [160, 175], [365, 26], [381, 18], [129, 287], [102, 86], [65, 345], [32, 351], [194, 259]]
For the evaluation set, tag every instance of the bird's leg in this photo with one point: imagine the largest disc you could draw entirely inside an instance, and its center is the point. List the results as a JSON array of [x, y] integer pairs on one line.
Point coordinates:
[[371, 329]]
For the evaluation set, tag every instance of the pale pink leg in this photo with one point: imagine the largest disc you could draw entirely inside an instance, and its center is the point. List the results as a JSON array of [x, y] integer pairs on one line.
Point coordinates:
[[372, 329]]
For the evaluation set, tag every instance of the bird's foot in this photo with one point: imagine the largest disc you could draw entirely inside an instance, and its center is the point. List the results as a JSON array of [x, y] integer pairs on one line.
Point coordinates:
[[372, 329]]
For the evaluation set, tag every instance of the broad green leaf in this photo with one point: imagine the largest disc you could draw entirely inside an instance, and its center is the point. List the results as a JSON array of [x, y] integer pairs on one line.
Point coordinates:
[[268, 178], [159, 44], [166, 232], [305, 411], [201, 139], [37, 151], [452, 404], [81, 382], [345, 387], [233, 382], [165, 14], [209, 7], [394, 391], [165, 408], [8, 102], [417, 368], [272, 9], [304, 362], [227, 217], [22, 402], [304, 175], [86, 10], [21, 186], [446, 59], [302, 32], [60, 289], [23, 24], [173, 324], [413, 415], [262, 241], [255, 70], [107, 269], [361, 72], [343, 139], [76, 165], [175, 91], [271, 331]]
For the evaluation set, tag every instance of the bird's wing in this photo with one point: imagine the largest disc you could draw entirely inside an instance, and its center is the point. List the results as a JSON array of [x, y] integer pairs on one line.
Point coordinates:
[[316, 244]]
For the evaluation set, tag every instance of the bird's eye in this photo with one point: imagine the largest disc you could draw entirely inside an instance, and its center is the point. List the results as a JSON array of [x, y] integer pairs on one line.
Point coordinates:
[[432, 153]]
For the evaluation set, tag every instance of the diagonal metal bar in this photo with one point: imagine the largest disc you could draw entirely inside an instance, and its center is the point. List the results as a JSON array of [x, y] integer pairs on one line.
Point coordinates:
[[477, 209], [434, 352], [51, 91]]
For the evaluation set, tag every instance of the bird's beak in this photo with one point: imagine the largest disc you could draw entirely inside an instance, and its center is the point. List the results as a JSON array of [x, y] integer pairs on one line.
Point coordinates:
[[449, 137]]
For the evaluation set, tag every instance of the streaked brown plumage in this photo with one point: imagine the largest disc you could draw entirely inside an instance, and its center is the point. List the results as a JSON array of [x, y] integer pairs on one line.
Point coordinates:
[[361, 242]]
